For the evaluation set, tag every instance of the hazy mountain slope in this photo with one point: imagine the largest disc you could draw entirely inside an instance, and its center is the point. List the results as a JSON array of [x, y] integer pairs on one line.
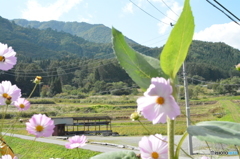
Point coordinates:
[[97, 33]]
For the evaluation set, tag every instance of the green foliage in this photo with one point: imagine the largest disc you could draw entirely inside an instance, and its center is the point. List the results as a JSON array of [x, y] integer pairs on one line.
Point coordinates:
[[176, 48], [227, 86], [140, 68], [45, 150], [217, 132], [116, 155], [41, 101]]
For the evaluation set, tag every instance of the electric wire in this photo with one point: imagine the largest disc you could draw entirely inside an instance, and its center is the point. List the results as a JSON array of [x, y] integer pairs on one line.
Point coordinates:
[[227, 10], [167, 33], [222, 12], [55, 71], [148, 13], [160, 11], [109, 56], [170, 8]]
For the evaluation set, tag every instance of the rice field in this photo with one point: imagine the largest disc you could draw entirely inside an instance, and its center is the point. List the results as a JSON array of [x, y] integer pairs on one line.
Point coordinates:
[[207, 110]]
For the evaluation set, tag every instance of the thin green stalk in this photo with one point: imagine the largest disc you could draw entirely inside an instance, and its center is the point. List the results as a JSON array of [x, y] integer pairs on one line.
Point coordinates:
[[29, 148], [171, 123], [179, 145], [78, 152], [144, 126], [208, 148], [33, 90], [13, 123], [170, 132], [3, 117]]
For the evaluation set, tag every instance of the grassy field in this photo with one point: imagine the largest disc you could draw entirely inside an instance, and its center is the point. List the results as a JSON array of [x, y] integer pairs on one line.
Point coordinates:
[[217, 108], [38, 150], [222, 108]]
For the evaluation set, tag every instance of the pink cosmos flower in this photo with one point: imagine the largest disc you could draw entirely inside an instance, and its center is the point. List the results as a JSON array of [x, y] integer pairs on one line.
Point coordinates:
[[153, 147], [22, 104], [204, 157], [40, 125], [7, 57], [76, 142], [158, 102], [8, 93], [8, 157]]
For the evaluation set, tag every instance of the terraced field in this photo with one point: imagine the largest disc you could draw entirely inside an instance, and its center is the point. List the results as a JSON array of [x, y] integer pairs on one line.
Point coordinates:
[[200, 111]]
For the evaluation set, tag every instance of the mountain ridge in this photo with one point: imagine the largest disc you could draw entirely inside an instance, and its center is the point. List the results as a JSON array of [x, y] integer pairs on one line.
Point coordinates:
[[207, 59], [97, 33]]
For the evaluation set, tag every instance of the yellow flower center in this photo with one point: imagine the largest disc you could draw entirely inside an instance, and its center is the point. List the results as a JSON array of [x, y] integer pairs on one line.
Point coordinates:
[[22, 106], [155, 155], [160, 100], [39, 128], [2, 58], [5, 95]]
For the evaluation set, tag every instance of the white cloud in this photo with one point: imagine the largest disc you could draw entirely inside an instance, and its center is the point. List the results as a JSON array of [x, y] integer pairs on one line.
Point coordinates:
[[227, 33], [128, 8], [84, 19], [53, 11]]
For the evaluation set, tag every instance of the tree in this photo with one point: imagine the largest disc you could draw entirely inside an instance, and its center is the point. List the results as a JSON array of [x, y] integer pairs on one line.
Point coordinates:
[[55, 86]]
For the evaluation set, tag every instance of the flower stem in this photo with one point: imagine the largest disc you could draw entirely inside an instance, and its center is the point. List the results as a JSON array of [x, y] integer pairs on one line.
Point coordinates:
[[31, 145], [170, 132], [3, 117], [164, 140], [78, 152], [144, 127], [33, 90]]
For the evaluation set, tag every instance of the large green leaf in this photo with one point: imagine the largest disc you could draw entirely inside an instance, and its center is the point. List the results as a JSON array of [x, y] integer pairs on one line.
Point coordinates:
[[116, 155], [176, 48], [140, 68], [217, 131]]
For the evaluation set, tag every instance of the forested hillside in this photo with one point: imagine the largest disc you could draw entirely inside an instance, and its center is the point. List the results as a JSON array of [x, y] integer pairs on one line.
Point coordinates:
[[69, 63], [97, 33], [212, 61]]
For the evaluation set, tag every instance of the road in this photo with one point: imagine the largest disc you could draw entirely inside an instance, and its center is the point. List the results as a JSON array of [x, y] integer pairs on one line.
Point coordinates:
[[118, 143]]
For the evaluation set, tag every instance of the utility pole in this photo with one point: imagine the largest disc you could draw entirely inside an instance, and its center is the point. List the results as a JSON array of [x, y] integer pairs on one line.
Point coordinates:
[[190, 148]]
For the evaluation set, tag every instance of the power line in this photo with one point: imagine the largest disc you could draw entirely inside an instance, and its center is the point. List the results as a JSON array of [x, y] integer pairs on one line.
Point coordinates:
[[227, 10], [170, 8], [148, 13], [160, 11], [68, 70], [223, 12]]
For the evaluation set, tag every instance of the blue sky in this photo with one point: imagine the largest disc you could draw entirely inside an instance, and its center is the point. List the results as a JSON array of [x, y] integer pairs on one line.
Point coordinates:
[[211, 24]]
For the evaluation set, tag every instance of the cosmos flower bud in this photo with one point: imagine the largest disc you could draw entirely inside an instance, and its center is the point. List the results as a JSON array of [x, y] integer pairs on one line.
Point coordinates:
[[37, 80], [135, 116], [8, 101], [237, 67]]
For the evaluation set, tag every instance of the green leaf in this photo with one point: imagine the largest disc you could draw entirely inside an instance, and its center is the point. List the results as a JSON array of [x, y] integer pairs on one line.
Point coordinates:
[[176, 48], [116, 155], [140, 68], [217, 131]]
